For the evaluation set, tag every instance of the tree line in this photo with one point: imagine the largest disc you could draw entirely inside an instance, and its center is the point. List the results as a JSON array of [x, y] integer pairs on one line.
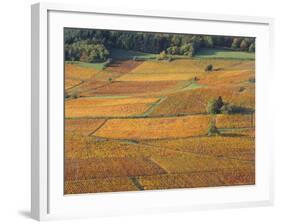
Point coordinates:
[[94, 45]]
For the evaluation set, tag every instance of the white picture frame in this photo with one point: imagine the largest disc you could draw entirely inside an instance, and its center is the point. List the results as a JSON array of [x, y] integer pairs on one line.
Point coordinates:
[[47, 199]]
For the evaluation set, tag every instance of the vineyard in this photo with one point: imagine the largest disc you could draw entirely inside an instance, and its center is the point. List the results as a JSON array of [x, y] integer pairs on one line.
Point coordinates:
[[144, 125]]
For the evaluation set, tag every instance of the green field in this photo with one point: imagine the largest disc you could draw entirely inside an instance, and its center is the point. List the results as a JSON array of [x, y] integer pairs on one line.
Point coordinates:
[[224, 54], [97, 66], [120, 54], [127, 55]]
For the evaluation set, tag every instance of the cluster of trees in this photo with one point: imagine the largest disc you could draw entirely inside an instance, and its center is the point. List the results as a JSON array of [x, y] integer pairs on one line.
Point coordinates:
[[86, 51], [218, 106], [244, 44], [95, 45]]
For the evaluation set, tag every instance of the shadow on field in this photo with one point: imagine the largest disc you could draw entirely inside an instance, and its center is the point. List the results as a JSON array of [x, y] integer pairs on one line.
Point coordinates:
[[232, 135]]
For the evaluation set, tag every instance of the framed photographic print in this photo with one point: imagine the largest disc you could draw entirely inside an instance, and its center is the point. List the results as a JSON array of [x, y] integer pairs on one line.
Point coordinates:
[[148, 111]]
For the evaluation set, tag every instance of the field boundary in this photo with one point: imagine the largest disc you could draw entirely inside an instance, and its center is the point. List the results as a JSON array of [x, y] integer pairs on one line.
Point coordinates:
[[223, 170], [136, 183], [201, 154], [72, 87], [153, 106], [139, 116], [93, 132]]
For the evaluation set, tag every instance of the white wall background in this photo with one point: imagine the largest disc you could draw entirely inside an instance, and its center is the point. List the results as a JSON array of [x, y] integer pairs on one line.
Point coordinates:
[[15, 110]]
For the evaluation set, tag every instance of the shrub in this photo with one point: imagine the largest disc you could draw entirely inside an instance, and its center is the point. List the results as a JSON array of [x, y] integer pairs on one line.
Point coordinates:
[[241, 89], [212, 128], [75, 94], [252, 80], [191, 52], [162, 55], [170, 59], [209, 68], [252, 47], [195, 78], [110, 79], [66, 95], [185, 49], [173, 50]]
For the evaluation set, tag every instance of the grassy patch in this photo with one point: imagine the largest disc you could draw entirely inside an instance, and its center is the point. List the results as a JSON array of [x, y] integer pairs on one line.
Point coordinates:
[[108, 97], [194, 85], [127, 54], [98, 66], [224, 54]]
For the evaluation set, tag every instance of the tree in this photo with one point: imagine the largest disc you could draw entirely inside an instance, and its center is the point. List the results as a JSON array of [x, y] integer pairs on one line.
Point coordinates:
[[252, 79], [209, 68], [192, 49], [220, 102], [75, 94], [84, 57], [185, 49], [173, 50], [162, 55], [208, 41], [236, 43], [86, 40], [252, 47], [214, 106], [212, 128], [86, 51], [195, 78], [94, 56], [244, 44], [219, 41]]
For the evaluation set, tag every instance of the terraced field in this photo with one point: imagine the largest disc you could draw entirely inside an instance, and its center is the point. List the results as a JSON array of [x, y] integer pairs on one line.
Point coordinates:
[[82, 126], [143, 125], [74, 71], [194, 100], [154, 128], [133, 88], [99, 107]]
